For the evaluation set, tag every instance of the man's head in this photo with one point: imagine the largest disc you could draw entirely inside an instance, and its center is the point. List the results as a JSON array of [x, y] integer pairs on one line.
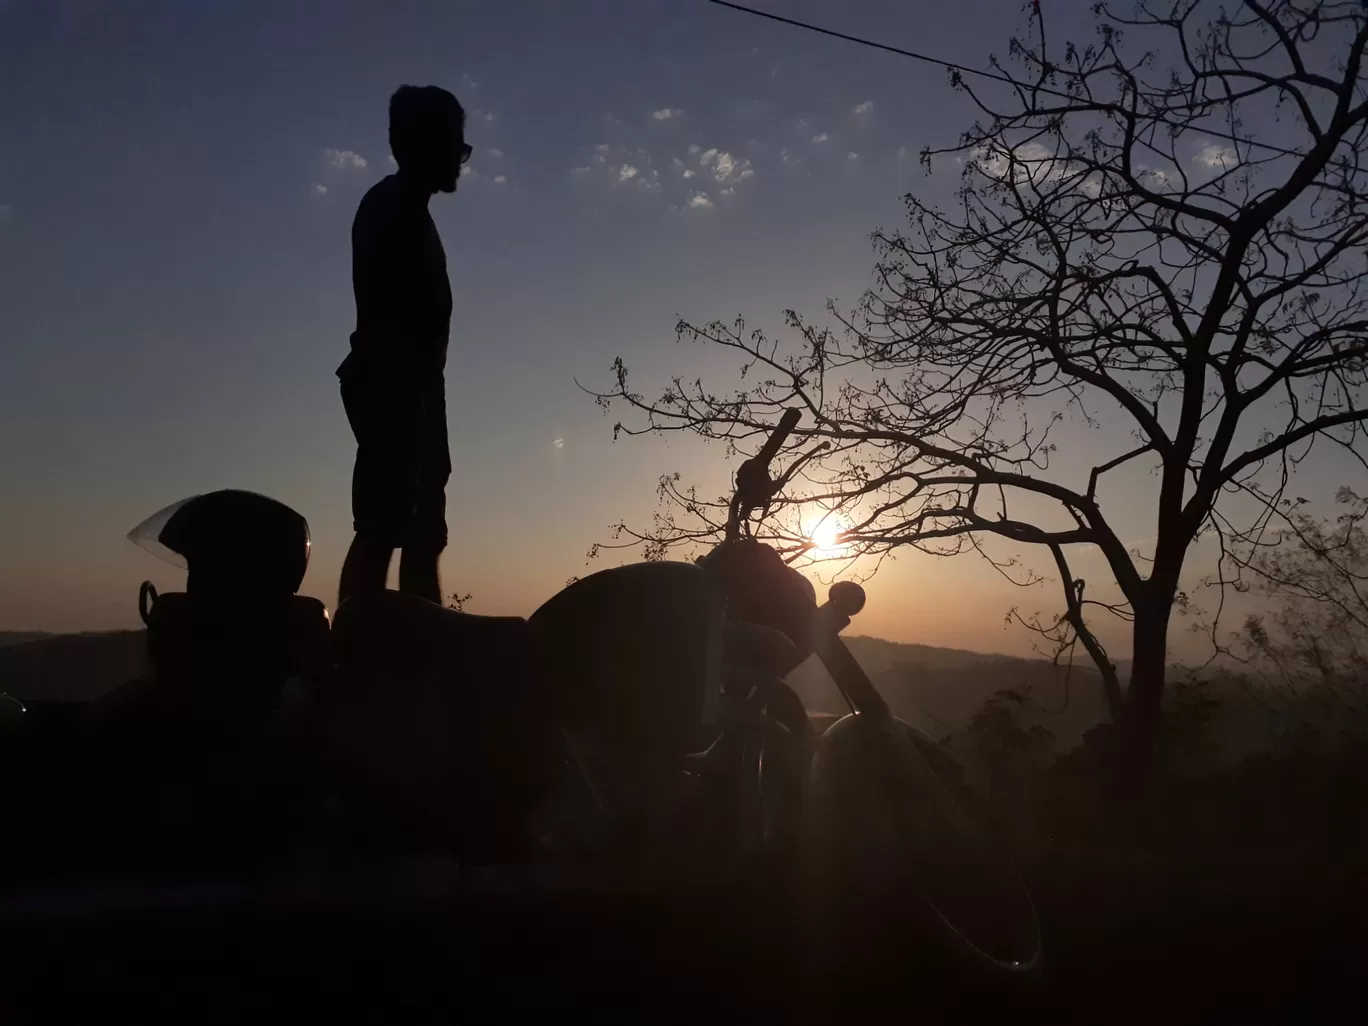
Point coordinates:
[[427, 136]]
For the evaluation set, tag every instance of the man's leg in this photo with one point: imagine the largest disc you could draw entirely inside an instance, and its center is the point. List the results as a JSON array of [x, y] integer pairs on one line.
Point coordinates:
[[418, 572], [383, 482], [365, 569], [428, 536]]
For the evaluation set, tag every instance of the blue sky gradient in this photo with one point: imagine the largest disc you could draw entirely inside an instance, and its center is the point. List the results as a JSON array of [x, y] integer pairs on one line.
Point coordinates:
[[177, 182]]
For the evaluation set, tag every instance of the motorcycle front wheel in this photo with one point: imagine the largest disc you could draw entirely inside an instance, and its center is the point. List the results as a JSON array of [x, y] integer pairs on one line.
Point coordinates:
[[907, 855]]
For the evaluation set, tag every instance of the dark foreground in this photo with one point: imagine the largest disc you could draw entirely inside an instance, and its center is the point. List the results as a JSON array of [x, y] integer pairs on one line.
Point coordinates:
[[1242, 941]]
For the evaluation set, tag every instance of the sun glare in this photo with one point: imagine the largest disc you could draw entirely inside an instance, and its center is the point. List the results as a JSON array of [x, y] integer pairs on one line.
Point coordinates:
[[826, 538]]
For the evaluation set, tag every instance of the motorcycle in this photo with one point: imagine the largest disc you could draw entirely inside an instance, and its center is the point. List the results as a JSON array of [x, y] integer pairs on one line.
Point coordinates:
[[636, 729]]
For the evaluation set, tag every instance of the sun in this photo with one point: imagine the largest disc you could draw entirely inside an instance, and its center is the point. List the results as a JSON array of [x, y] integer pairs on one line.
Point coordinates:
[[826, 538]]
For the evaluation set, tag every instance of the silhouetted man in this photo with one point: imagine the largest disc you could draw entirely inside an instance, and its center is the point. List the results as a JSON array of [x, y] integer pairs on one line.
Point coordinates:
[[393, 380]]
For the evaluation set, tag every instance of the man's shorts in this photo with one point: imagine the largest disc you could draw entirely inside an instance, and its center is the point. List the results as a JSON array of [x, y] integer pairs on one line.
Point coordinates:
[[403, 460]]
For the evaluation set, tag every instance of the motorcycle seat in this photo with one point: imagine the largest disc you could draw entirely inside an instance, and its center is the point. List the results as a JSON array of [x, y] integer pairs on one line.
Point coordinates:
[[432, 726], [395, 633]]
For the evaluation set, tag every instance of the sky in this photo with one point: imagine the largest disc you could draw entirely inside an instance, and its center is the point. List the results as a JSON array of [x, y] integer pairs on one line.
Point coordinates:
[[177, 182]]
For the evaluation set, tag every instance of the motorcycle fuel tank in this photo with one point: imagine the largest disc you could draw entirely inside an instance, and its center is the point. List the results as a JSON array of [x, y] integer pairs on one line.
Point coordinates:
[[634, 659]]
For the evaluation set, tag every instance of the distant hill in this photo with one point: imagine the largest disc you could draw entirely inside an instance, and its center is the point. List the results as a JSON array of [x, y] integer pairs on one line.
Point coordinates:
[[938, 689], [8, 638], [71, 667]]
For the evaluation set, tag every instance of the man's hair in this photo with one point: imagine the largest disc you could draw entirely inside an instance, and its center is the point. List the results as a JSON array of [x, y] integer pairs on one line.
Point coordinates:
[[416, 113]]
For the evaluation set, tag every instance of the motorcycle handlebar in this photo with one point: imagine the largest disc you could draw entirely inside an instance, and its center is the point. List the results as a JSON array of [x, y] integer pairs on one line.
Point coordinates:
[[753, 484], [846, 600], [776, 440]]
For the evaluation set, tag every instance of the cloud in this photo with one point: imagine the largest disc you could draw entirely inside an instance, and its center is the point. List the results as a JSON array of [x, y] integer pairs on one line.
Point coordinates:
[[821, 137], [852, 155], [318, 189], [467, 171], [559, 443], [344, 158], [728, 191], [496, 153], [1031, 163], [1035, 165], [1222, 157], [699, 201], [863, 110], [1160, 180], [689, 172], [725, 167], [500, 179], [468, 81], [4, 212], [694, 148], [483, 115], [665, 113], [620, 166]]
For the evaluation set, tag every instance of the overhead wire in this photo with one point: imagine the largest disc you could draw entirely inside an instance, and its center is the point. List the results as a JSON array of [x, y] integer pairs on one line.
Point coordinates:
[[993, 76]]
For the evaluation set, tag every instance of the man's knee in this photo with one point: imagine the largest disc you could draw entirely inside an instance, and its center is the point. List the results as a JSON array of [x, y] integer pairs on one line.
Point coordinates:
[[374, 544], [423, 549], [427, 534]]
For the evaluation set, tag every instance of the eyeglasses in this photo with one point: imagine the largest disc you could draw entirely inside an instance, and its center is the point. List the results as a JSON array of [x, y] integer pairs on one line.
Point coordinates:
[[466, 151]]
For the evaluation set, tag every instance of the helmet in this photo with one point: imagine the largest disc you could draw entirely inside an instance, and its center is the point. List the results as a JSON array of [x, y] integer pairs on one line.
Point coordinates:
[[230, 541]]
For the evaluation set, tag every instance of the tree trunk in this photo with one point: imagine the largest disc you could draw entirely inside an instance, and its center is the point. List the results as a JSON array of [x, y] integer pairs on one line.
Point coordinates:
[[1140, 724]]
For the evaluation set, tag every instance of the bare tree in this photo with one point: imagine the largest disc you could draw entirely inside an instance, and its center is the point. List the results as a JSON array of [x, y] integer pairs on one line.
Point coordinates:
[[1162, 230], [1315, 572]]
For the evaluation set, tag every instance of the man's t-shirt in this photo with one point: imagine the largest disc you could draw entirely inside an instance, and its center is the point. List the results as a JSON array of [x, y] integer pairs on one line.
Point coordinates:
[[403, 295]]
